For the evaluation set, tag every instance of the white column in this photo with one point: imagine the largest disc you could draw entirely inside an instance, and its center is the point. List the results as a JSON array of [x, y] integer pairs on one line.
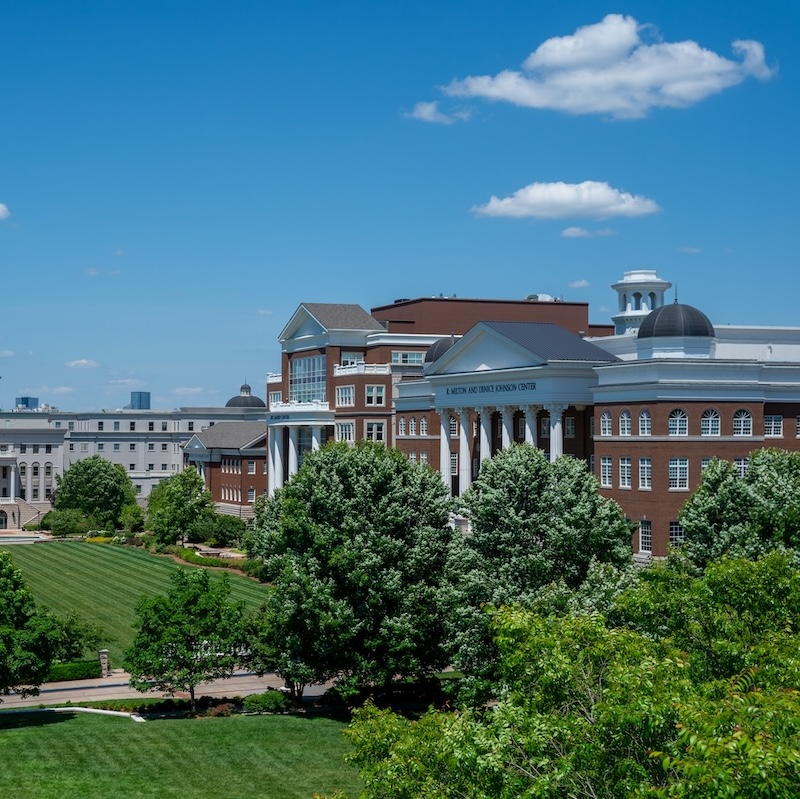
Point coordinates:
[[556, 429], [444, 445], [13, 487], [508, 425], [294, 433], [275, 476], [486, 432], [530, 424], [464, 452], [316, 437]]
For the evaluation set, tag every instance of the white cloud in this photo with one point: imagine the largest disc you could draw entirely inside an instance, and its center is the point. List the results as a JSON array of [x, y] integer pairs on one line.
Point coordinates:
[[128, 381], [53, 390], [579, 284], [4, 212], [92, 272], [6, 353], [264, 312], [183, 390], [607, 68], [591, 199], [690, 250], [575, 233], [82, 363], [429, 112], [605, 231]]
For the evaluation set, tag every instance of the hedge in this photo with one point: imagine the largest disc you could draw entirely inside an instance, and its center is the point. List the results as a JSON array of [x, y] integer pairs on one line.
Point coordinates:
[[77, 670]]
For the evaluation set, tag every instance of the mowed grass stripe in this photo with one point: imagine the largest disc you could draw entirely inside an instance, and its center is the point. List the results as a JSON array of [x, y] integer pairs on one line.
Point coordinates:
[[103, 584]]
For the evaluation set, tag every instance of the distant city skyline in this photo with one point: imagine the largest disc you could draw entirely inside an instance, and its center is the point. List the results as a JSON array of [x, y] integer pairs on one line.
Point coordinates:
[[178, 177]]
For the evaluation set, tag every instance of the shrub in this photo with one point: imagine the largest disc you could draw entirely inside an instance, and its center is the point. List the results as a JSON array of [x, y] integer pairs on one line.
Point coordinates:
[[66, 522], [78, 670], [99, 539], [268, 702], [255, 567], [223, 709]]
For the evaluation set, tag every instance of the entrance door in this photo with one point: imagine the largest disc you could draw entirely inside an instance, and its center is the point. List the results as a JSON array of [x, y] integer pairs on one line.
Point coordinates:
[[3, 520]]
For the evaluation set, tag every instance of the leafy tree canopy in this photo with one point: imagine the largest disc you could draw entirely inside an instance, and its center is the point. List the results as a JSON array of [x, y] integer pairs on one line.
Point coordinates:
[[533, 523], [355, 546], [97, 488], [177, 504], [191, 635], [744, 516]]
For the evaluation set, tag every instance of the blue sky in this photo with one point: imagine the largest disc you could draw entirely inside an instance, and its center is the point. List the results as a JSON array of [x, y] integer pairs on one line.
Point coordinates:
[[178, 176]]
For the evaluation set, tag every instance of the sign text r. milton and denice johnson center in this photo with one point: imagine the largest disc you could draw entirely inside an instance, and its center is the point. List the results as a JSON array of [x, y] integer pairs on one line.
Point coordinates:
[[490, 388]]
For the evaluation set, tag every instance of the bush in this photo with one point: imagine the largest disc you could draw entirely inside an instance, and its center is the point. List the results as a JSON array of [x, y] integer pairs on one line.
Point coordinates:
[[223, 709], [99, 539], [255, 567], [268, 702], [66, 522], [78, 670]]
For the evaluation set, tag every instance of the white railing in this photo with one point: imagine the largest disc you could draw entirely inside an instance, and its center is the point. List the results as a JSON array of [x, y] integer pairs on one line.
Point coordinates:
[[289, 407], [362, 368]]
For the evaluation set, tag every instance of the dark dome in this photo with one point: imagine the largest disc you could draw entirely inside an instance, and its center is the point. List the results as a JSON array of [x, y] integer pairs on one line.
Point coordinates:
[[439, 348], [245, 399], [674, 321]]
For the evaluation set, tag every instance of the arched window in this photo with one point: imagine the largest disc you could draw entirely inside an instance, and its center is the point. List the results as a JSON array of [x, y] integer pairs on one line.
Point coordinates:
[[453, 427], [645, 422], [625, 423], [605, 423], [742, 423], [412, 426], [623, 302], [709, 423], [652, 296], [423, 426], [401, 426], [637, 301], [678, 423]]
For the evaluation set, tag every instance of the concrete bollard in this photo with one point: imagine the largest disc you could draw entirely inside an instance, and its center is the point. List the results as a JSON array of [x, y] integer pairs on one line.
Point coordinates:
[[104, 669]]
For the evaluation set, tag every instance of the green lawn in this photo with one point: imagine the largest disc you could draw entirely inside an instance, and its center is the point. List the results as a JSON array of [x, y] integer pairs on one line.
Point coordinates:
[[102, 584], [48, 756]]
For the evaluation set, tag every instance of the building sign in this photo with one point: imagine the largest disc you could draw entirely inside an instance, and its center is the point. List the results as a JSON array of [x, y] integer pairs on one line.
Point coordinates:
[[489, 388], [279, 417]]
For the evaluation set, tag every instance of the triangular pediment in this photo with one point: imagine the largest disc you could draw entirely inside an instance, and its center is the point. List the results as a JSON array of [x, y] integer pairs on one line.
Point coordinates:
[[195, 444], [482, 349], [301, 325]]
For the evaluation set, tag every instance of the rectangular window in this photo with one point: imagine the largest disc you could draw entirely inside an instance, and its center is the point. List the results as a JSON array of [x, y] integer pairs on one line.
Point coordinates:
[[773, 426], [116, 427], [48, 470], [453, 427], [374, 395], [164, 467], [346, 431], [35, 449], [676, 534], [453, 463], [350, 358], [408, 358], [569, 427], [605, 424], [345, 396], [84, 447], [151, 447], [100, 426], [131, 467], [645, 423], [101, 446], [48, 448], [71, 426], [23, 448], [412, 456], [624, 472], [164, 447], [35, 492], [251, 467], [606, 471], [645, 473], [704, 464], [374, 431], [163, 427], [645, 536], [132, 426], [679, 473], [591, 463], [423, 457], [544, 427], [307, 379], [274, 398], [191, 427], [132, 447], [116, 447], [251, 494], [138, 489], [151, 467], [58, 424], [741, 465]]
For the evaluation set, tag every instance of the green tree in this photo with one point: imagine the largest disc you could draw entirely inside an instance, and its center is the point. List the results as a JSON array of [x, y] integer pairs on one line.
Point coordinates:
[[533, 523], [355, 546], [97, 488], [744, 515], [177, 504], [30, 639], [190, 636]]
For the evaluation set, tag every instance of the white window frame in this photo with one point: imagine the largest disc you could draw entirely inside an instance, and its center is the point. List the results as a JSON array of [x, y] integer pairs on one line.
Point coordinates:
[[742, 423], [645, 474], [678, 422], [773, 426], [404, 358], [375, 431], [401, 426], [741, 465], [676, 534], [346, 431], [453, 464], [606, 424], [625, 472], [625, 424], [412, 426], [544, 426], [645, 422], [710, 423], [453, 422], [375, 395], [645, 535], [423, 426], [606, 471], [569, 427], [678, 474], [345, 396]]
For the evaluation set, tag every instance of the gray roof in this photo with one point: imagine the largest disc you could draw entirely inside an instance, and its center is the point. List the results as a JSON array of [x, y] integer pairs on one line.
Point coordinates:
[[550, 342], [342, 316], [675, 320], [232, 435]]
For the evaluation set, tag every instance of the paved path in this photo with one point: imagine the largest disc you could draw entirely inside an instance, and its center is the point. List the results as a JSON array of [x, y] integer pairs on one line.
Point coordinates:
[[115, 686]]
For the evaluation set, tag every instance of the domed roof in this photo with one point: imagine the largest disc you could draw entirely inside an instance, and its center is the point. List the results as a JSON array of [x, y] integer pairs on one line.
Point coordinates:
[[245, 399], [676, 320], [439, 348]]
